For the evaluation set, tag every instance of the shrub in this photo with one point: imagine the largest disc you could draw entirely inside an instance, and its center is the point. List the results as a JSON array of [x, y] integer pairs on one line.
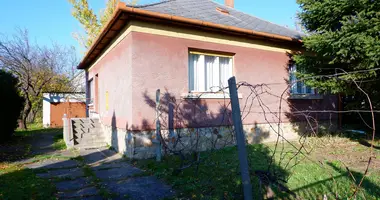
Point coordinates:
[[11, 104]]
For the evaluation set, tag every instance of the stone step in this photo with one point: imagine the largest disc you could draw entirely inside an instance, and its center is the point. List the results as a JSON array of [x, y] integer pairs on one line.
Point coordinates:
[[92, 142], [81, 130], [89, 139], [93, 137], [86, 120], [91, 145], [87, 130], [86, 125], [88, 133], [91, 134]]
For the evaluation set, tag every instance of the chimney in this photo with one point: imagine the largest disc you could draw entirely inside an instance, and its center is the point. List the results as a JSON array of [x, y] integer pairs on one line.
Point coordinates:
[[229, 3]]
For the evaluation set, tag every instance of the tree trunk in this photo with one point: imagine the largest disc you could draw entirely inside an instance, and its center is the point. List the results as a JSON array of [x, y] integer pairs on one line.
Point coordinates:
[[25, 113], [32, 116]]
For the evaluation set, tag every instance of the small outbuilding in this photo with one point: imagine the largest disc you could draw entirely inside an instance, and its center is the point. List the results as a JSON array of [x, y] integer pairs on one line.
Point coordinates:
[[56, 104]]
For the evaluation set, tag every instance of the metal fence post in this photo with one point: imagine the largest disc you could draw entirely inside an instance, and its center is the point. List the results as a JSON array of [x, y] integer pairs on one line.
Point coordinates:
[[240, 139], [158, 127]]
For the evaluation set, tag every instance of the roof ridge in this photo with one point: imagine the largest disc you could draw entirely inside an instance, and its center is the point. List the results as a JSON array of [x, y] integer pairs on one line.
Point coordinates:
[[224, 6], [149, 4]]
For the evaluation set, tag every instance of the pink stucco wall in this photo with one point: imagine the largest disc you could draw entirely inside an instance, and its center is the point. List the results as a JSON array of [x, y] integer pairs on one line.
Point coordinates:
[[142, 63], [162, 62], [114, 74]]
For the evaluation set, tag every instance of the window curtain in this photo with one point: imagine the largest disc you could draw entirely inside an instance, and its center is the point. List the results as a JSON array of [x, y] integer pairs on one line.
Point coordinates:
[[211, 73], [208, 73], [196, 73], [225, 68]]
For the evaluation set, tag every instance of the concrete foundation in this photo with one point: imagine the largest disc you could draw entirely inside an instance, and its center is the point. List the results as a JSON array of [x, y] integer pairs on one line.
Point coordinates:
[[140, 144]]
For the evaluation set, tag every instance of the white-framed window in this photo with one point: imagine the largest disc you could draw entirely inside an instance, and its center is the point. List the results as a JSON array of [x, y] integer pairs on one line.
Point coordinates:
[[209, 72], [298, 87], [91, 90]]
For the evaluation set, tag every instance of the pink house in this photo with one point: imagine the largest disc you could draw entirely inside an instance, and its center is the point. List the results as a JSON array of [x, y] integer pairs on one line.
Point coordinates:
[[188, 48]]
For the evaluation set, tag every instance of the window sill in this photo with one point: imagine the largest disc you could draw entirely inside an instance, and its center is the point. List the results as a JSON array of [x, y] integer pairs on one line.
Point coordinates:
[[208, 95], [306, 96]]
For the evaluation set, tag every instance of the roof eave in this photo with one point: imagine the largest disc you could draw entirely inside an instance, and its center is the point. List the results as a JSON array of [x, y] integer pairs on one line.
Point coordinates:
[[103, 32], [123, 8]]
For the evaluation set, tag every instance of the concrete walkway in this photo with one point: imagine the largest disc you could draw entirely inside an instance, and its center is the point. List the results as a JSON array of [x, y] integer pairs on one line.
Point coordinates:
[[97, 173]]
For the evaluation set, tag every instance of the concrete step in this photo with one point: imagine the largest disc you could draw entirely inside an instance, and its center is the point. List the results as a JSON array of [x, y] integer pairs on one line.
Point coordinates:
[[80, 135], [90, 146], [81, 130], [86, 125], [87, 130], [86, 120], [88, 133], [92, 134], [93, 144], [90, 138]]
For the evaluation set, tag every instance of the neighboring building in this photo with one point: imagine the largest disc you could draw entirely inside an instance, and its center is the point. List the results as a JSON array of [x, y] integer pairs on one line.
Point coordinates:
[[79, 82], [180, 45], [56, 104]]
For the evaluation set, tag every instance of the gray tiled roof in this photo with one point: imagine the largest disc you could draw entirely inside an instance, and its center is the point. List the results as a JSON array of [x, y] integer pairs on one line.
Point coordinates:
[[205, 10]]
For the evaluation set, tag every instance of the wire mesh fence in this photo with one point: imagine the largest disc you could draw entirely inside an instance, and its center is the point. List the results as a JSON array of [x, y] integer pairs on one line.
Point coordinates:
[[199, 134]]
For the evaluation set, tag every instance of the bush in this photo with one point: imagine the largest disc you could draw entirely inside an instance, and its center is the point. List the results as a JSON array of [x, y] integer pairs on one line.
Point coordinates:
[[11, 104]]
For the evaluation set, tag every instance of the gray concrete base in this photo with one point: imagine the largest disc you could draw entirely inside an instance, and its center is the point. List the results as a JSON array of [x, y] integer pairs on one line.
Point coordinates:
[[140, 144]]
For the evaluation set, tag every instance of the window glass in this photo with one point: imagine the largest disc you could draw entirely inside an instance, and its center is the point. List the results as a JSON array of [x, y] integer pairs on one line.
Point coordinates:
[[298, 87], [209, 73]]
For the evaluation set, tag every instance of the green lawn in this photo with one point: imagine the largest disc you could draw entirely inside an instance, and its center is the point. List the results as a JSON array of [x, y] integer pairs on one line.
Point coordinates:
[[59, 143], [20, 183], [310, 177], [17, 182], [35, 129]]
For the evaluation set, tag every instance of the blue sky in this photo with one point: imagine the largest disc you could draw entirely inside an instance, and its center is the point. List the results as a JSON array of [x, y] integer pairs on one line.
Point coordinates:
[[51, 21]]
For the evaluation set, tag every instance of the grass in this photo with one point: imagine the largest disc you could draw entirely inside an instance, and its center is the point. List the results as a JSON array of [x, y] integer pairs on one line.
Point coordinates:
[[17, 182], [39, 158], [309, 176], [59, 143], [35, 129], [88, 172]]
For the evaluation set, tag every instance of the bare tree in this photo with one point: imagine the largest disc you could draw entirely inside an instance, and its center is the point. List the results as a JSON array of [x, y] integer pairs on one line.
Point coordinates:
[[37, 67]]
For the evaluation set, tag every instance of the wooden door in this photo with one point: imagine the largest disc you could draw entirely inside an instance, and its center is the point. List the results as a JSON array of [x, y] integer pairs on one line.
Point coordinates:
[[73, 110]]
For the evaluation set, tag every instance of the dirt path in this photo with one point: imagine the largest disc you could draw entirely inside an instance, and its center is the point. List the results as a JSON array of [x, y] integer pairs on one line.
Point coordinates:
[[92, 173]]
